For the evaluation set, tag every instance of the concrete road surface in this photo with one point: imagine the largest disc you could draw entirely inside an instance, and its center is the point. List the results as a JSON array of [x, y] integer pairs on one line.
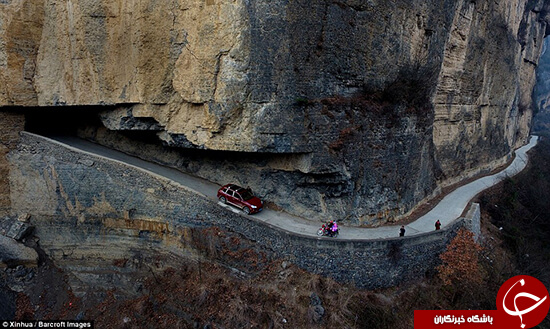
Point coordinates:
[[448, 209]]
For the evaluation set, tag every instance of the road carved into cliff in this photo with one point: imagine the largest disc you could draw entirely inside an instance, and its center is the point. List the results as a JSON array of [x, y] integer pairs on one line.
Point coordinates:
[[447, 210]]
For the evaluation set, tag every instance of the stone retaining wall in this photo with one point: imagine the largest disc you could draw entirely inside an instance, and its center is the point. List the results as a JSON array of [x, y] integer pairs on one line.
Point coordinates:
[[70, 189]]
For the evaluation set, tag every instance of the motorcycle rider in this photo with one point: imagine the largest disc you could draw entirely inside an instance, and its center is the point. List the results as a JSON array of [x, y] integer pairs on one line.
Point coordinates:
[[334, 228], [329, 229]]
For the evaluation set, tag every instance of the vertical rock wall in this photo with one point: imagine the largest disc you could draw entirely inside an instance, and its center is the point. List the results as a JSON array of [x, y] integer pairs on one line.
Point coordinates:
[[9, 138], [541, 94], [483, 105], [360, 109]]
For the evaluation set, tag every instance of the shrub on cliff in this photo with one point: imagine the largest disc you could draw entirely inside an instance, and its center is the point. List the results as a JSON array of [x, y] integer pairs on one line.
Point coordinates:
[[460, 261], [412, 88]]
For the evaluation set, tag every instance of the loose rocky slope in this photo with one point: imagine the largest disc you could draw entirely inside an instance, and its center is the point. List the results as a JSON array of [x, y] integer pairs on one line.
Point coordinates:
[[202, 293]]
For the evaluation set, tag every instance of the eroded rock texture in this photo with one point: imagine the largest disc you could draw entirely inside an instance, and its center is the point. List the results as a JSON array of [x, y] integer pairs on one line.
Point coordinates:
[[10, 126], [541, 93], [483, 104], [350, 109]]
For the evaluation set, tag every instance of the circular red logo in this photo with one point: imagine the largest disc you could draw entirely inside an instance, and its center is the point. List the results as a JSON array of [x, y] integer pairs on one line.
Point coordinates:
[[524, 301]]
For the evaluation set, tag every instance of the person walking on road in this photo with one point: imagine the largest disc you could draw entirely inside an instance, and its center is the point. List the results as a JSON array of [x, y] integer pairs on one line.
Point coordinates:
[[402, 231], [437, 225]]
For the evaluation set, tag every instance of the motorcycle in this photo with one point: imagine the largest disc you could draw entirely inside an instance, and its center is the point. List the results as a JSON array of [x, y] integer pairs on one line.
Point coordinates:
[[328, 230]]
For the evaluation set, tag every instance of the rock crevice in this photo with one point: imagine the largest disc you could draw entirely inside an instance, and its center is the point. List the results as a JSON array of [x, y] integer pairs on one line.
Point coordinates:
[[392, 99]]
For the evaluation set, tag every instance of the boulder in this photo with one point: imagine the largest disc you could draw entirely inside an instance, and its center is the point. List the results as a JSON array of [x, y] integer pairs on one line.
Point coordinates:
[[13, 253], [316, 310], [19, 230]]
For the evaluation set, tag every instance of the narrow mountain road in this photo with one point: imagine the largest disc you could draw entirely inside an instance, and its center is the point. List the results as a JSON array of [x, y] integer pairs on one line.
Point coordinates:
[[448, 209]]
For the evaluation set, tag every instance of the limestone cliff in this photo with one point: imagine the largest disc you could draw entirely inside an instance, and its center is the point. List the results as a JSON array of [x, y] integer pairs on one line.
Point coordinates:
[[541, 94], [483, 105], [352, 109]]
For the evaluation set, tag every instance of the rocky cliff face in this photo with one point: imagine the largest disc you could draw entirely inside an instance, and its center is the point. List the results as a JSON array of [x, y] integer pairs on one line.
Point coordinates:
[[483, 105], [541, 94], [352, 109], [9, 138]]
